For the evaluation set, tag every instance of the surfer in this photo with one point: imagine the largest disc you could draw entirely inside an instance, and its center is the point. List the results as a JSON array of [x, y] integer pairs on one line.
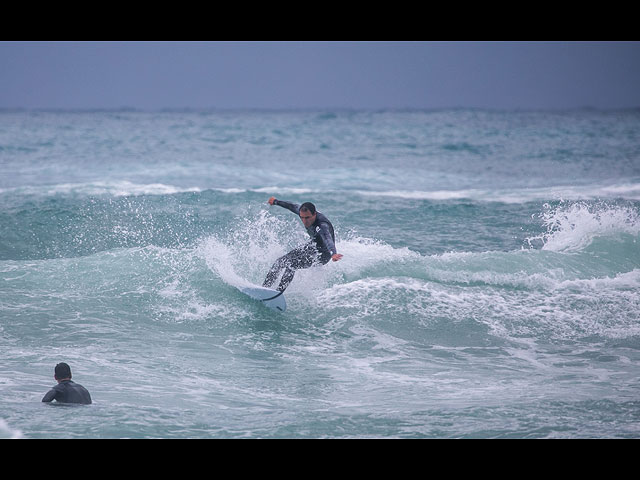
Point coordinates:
[[66, 391], [319, 250]]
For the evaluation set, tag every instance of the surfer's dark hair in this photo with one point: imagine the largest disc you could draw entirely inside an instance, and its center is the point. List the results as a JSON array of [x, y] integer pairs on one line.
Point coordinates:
[[308, 207], [62, 370]]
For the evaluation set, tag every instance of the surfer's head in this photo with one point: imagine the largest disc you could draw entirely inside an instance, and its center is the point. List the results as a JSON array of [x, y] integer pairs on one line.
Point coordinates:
[[62, 371], [308, 213]]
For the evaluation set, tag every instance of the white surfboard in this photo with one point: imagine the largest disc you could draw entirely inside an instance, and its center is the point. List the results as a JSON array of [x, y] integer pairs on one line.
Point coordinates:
[[270, 297]]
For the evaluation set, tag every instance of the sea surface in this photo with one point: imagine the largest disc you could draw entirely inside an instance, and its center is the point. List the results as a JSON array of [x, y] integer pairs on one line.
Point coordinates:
[[490, 284]]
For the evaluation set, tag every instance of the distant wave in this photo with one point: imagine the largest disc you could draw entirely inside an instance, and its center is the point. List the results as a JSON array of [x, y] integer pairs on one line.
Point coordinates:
[[630, 191], [126, 188], [115, 188], [625, 191]]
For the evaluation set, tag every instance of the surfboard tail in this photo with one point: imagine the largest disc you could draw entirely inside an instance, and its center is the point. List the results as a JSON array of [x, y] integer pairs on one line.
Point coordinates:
[[271, 298]]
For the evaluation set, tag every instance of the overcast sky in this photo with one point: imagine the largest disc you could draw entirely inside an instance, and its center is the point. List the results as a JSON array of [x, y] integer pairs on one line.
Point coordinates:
[[281, 75]]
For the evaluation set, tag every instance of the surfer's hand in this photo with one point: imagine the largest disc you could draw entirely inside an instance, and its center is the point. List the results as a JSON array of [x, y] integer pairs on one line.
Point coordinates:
[[271, 200], [336, 256]]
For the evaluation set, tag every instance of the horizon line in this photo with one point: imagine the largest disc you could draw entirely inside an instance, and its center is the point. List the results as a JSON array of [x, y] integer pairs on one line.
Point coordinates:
[[186, 109]]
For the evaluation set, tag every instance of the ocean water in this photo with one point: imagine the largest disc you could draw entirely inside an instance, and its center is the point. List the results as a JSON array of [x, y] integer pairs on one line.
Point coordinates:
[[490, 284]]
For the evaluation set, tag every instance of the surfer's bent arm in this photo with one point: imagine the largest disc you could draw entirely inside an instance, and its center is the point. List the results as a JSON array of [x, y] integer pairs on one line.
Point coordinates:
[[294, 207], [51, 395], [326, 238]]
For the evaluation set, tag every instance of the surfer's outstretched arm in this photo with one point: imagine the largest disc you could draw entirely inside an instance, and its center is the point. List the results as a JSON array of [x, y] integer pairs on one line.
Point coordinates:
[[294, 207]]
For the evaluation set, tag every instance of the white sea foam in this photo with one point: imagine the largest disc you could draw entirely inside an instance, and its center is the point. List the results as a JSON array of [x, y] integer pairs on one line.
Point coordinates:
[[286, 190], [426, 195], [7, 432]]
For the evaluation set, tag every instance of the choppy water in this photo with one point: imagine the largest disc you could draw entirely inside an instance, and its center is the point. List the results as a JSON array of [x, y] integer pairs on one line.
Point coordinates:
[[489, 285]]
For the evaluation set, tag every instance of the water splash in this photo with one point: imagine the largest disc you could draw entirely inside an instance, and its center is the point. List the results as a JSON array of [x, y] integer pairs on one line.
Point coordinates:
[[572, 227]]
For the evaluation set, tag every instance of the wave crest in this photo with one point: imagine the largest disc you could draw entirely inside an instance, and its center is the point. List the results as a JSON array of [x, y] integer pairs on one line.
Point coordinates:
[[573, 227]]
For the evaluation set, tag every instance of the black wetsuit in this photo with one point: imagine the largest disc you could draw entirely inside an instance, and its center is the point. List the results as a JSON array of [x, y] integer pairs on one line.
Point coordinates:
[[68, 391], [319, 250]]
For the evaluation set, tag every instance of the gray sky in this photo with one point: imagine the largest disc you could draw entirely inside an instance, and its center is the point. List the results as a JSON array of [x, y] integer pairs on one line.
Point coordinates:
[[203, 75]]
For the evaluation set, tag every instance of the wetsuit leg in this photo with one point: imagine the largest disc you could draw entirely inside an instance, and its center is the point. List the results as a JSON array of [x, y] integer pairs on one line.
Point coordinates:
[[301, 257]]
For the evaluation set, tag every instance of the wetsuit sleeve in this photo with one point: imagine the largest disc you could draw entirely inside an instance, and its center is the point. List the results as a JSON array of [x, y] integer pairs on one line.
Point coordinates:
[[326, 238], [294, 207], [50, 395]]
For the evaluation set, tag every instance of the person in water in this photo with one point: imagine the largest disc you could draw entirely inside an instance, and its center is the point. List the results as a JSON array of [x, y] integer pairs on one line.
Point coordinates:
[[319, 250], [66, 391]]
